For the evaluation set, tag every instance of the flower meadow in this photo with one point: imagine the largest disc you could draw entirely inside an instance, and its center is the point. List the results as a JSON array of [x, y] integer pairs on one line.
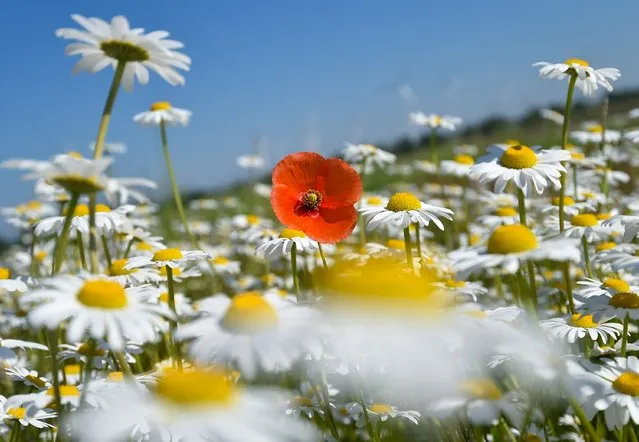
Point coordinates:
[[494, 299]]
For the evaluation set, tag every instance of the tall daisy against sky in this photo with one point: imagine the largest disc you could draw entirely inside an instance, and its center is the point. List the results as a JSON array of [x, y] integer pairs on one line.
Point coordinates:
[[434, 122], [162, 114], [587, 79]]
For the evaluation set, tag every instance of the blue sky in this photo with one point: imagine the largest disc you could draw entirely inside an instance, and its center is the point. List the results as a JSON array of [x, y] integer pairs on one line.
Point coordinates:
[[302, 74]]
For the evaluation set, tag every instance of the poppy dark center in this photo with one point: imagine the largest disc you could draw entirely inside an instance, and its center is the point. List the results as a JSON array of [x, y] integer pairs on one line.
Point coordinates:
[[309, 203]]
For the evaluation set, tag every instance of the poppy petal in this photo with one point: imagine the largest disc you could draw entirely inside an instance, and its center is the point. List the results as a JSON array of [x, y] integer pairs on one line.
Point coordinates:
[[342, 184], [332, 225], [299, 171], [284, 201]]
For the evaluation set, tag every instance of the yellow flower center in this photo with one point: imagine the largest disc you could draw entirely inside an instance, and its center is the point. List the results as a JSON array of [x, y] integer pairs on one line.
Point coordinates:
[[39, 256], [403, 201], [627, 383], [5, 273], [514, 238], [603, 216], [464, 159], [568, 201], [117, 268], [65, 391], [519, 157], [453, 284], [596, 129], [618, 285], [253, 219], [396, 244], [35, 380], [505, 211], [583, 321], [76, 183], [473, 239], [144, 246], [481, 388], [221, 260], [374, 201], [577, 61], [625, 300], [301, 401], [167, 255], [511, 142], [577, 156], [164, 297], [85, 350], [124, 51], [17, 413], [160, 106], [605, 246], [291, 233], [381, 408], [249, 312], [75, 154], [584, 220], [115, 376], [72, 369], [196, 388], [102, 294]]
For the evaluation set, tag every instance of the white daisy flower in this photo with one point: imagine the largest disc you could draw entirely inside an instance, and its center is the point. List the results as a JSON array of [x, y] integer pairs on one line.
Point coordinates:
[[163, 112], [588, 78], [373, 156], [608, 286], [30, 378], [621, 305], [107, 221], [571, 207], [96, 307], [434, 121], [581, 326], [170, 257], [282, 246], [552, 115], [101, 44], [30, 416], [459, 166], [402, 210], [111, 148], [254, 332], [383, 412], [585, 225], [204, 404], [618, 397], [466, 288], [595, 134], [263, 190], [508, 245], [75, 174], [117, 271], [204, 204], [250, 161], [11, 285], [521, 165], [499, 216], [425, 166], [120, 191]]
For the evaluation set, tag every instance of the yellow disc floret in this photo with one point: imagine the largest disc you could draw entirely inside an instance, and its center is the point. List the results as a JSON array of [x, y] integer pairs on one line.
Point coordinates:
[[249, 312], [464, 159], [605, 246], [519, 157], [481, 388], [167, 255], [514, 238], [197, 388], [374, 201], [17, 413], [381, 408], [583, 321], [505, 211], [102, 294], [5, 273], [577, 61], [291, 233], [627, 383], [625, 300], [403, 201], [117, 268], [161, 105], [584, 220], [396, 244], [568, 201], [618, 285]]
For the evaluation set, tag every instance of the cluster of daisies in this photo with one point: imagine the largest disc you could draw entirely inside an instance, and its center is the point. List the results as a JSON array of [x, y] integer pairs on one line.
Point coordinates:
[[502, 305]]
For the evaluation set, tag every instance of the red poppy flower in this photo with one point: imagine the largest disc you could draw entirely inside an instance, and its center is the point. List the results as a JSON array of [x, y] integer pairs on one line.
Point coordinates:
[[316, 195]]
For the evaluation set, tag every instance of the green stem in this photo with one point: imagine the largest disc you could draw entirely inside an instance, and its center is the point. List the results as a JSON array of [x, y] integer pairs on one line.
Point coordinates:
[[321, 251], [124, 365], [408, 248], [61, 245], [574, 181], [107, 253], [506, 431], [521, 198], [52, 337], [632, 434], [80, 244], [367, 420], [108, 108], [128, 248], [564, 144], [177, 356], [433, 149], [88, 366], [523, 287], [584, 244], [296, 281], [15, 431], [93, 234], [174, 186], [624, 337], [533, 287], [418, 243], [594, 437], [565, 267]]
